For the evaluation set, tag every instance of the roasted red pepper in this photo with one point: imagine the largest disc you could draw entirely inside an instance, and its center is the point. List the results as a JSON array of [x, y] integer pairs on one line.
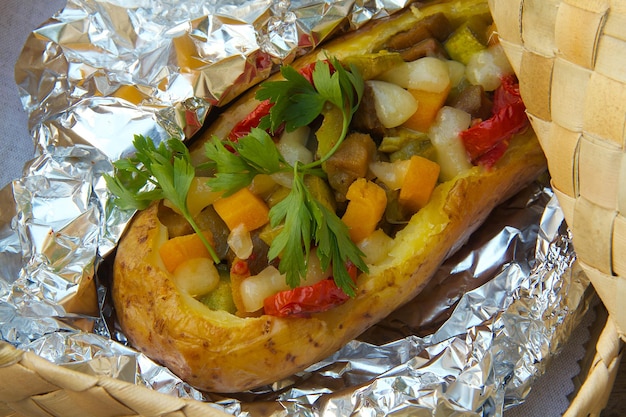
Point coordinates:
[[244, 127], [303, 301], [309, 299], [487, 141]]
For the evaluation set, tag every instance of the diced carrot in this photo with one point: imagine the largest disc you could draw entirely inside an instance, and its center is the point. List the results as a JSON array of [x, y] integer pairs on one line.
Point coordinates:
[[367, 203], [243, 207], [428, 105], [419, 183], [178, 249]]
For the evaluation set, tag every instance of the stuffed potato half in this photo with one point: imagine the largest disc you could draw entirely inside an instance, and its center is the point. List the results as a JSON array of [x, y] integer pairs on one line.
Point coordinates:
[[218, 351]]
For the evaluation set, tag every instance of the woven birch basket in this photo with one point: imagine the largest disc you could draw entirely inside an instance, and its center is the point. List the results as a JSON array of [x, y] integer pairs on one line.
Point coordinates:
[[570, 58]]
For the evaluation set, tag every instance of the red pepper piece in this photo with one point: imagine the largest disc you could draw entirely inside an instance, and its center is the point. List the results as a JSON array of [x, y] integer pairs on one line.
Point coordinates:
[[240, 267], [485, 142], [304, 301], [252, 120]]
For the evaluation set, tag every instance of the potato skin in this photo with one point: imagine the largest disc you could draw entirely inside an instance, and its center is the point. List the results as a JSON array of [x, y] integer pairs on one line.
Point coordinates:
[[219, 352]]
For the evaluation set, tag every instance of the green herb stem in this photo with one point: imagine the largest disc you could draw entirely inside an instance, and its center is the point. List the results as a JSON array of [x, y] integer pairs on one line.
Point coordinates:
[[201, 235], [342, 136]]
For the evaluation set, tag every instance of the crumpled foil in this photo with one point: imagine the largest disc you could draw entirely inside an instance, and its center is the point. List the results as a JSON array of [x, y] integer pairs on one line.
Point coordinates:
[[101, 71]]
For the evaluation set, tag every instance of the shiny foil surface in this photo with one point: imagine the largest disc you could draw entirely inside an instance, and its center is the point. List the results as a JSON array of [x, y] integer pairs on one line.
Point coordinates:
[[99, 72]]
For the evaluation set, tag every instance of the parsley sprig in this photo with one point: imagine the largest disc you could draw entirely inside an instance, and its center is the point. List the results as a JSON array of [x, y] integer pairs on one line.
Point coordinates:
[[306, 221], [155, 173]]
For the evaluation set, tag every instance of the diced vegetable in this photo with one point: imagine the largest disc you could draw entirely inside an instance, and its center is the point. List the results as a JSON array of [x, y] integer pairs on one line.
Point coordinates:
[[199, 196], [306, 300], [263, 185], [419, 182], [292, 146], [350, 162], [372, 65], [487, 67], [427, 74], [375, 246], [178, 249], [394, 105], [416, 146], [221, 298], [277, 196], [321, 191], [456, 71], [330, 131], [208, 219], [435, 26], [242, 207], [473, 100], [467, 39], [391, 144], [367, 202], [240, 242], [196, 276], [444, 134], [429, 104], [256, 288], [390, 173], [253, 119]]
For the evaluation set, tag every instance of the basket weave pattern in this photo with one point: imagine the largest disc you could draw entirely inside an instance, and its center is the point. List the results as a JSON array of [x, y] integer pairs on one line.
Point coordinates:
[[570, 57], [33, 387]]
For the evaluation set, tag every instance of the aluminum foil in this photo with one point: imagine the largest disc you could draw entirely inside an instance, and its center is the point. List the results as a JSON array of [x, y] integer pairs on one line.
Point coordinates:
[[101, 71]]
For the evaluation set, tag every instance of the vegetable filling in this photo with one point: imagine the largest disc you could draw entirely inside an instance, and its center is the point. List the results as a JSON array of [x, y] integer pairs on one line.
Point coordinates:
[[308, 189]]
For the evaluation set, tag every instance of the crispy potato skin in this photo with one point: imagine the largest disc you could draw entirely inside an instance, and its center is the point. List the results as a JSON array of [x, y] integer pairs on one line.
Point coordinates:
[[220, 352]]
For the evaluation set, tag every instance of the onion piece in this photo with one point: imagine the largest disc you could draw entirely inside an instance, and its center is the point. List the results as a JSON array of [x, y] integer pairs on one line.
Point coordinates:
[[486, 68], [444, 135], [240, 242], [375, 246], [196, 276], [394, 105], [390, 173], [425, 74], [292, 146]]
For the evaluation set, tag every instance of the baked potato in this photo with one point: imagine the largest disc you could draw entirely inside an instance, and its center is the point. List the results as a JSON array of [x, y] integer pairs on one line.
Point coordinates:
[[235, 346]]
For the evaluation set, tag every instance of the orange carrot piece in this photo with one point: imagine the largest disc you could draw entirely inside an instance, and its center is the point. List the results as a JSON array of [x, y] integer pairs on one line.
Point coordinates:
[[243, 207], [367, 203], [419, 183], [428, 105], [180, 248]]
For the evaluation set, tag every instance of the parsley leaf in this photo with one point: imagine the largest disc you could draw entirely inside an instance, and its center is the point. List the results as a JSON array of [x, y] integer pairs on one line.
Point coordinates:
[[232, 172], [253, 154], [295, 212], [296, 102], [155, 173]]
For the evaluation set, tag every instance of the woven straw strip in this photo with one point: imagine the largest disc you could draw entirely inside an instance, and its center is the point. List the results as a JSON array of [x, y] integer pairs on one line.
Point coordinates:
[[32, 386], [570, 58], [593, 394]]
